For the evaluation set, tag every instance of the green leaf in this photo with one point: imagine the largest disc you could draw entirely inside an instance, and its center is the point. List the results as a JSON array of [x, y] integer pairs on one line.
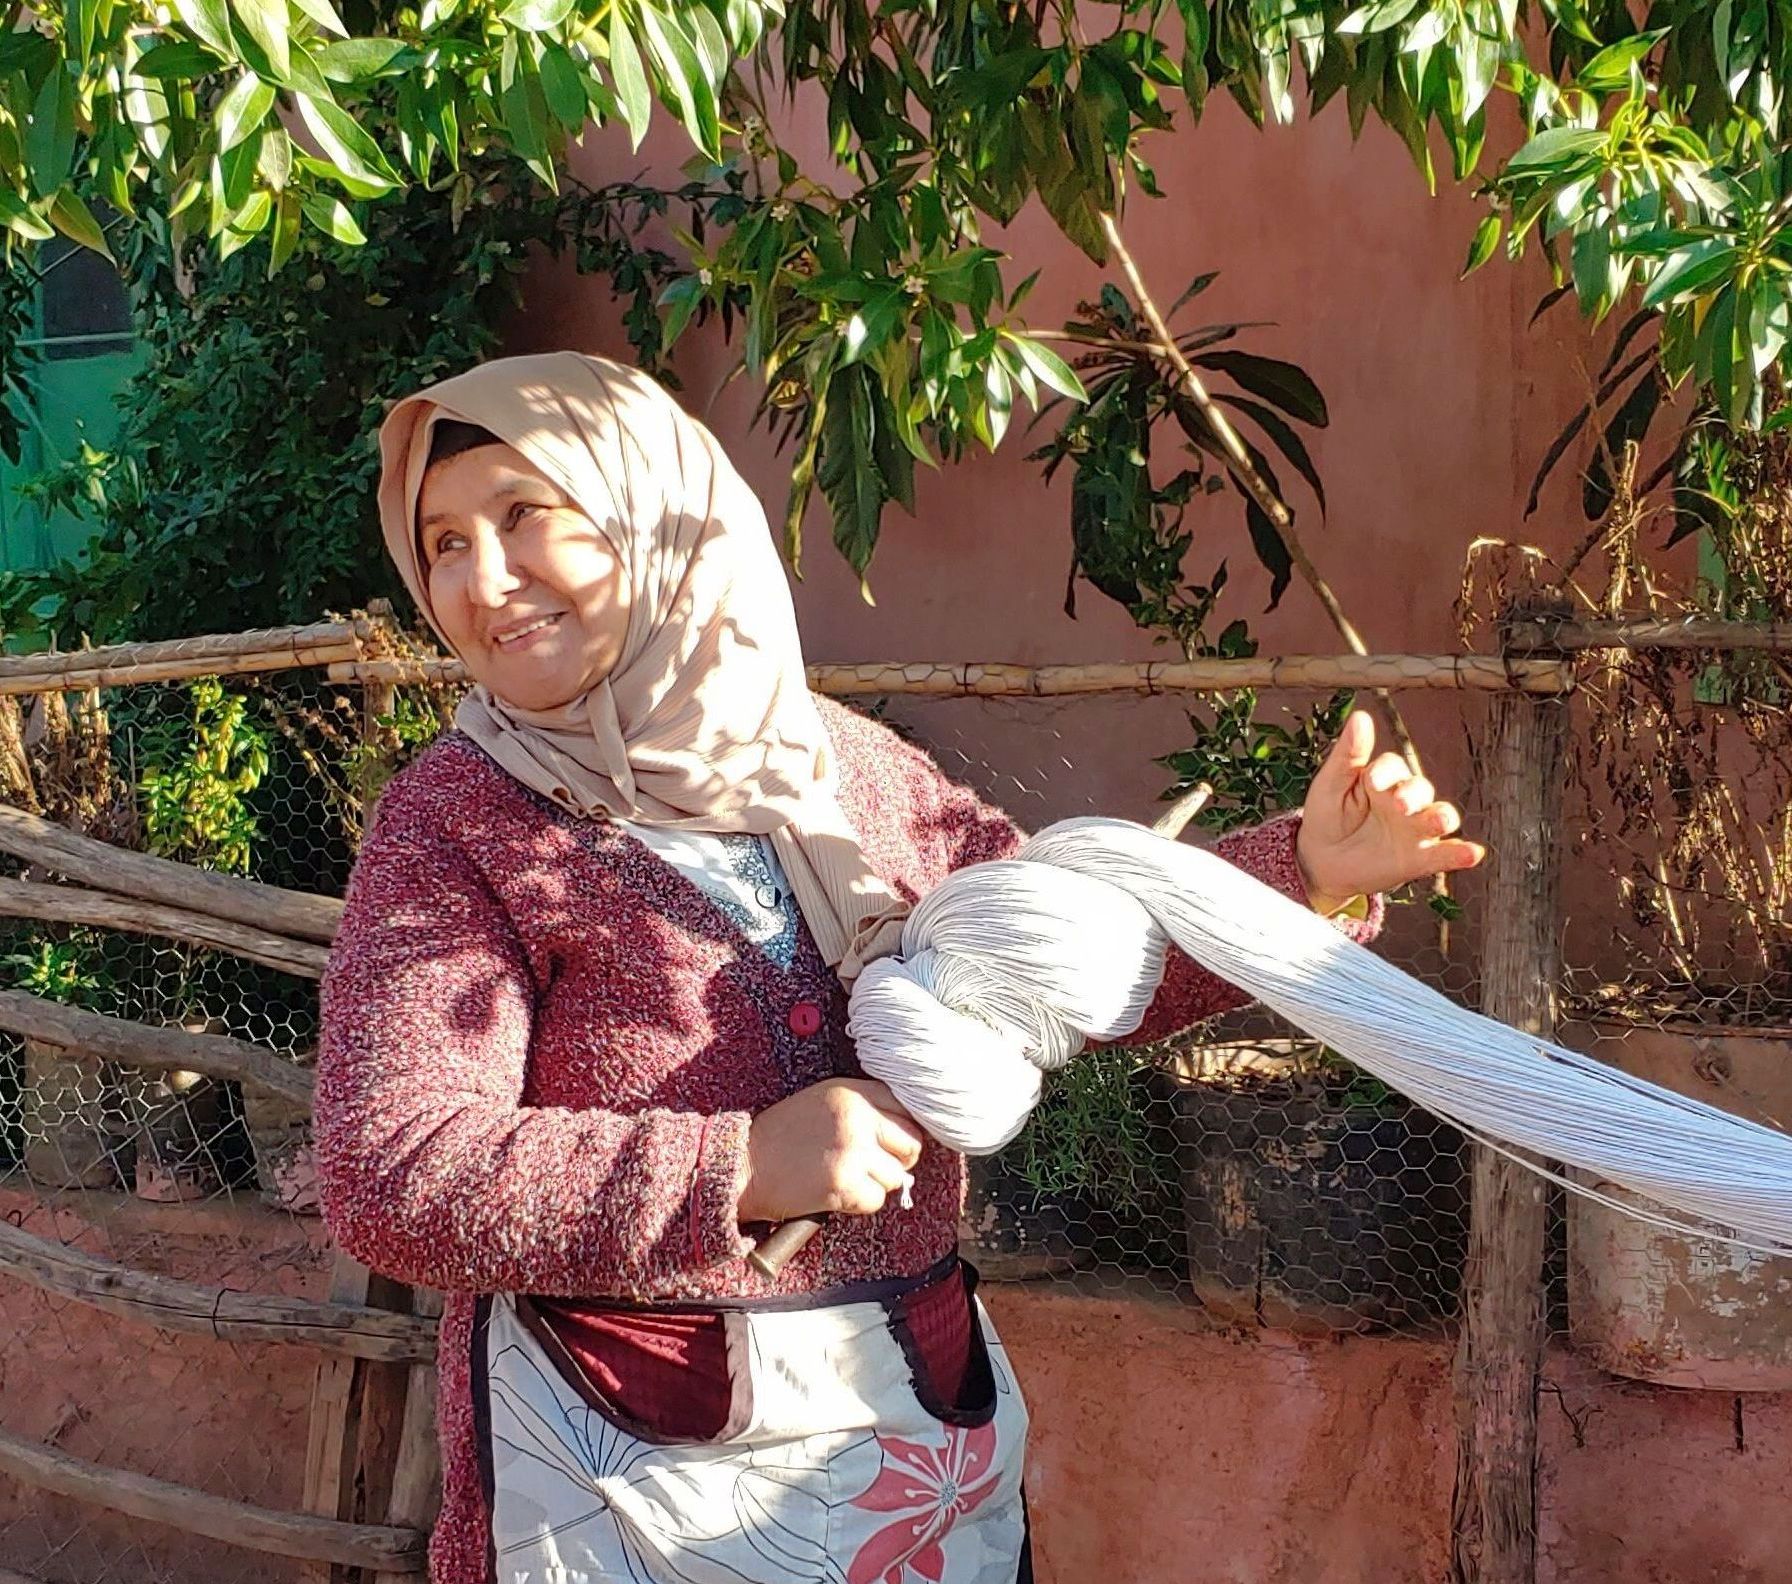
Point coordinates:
[[365, 59], [286, 232], [1271, 550], [242, 110], [75, 221], [526, 116], [536, 16], [263, 23], [1284, 384], [331, 216], [682, 298], [563, 84], [208, 20], [50, 136], [848, 473], [325, 15], [178, 58], [1486, 239], [21, 219], [1558, 148], [1691, 270], [1286, 440], [1610, 69], [629, 78], [684, 74], [1047, 367], [274, 161], [345, 143], [1377, 17]]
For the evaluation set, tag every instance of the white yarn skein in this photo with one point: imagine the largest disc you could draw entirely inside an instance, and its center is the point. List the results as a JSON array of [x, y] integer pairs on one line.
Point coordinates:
[[1008, 966]]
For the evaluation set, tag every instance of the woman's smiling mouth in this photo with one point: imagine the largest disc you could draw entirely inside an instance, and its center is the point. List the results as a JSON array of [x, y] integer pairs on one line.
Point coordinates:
[[517, 637]]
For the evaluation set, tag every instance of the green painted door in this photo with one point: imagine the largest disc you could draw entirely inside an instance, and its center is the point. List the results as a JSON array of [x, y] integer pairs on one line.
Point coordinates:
[[85, 356]]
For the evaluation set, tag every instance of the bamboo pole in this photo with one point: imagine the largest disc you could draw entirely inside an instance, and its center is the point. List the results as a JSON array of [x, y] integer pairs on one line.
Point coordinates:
[[352, 1330], [1649, 633], [1500, 1350], [296, 914], [973, 679], [155, 1049], [216, 654], [377, 1546], [76, 905]]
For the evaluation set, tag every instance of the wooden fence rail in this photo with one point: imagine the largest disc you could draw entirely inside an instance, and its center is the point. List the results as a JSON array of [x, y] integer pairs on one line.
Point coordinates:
[[385, 1548], [192, 1308]]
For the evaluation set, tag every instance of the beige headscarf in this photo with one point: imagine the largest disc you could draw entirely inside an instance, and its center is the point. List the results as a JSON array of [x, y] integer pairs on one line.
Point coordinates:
[[706, 722]]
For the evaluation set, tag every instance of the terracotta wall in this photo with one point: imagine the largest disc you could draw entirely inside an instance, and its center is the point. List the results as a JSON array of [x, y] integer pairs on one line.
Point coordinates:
[[1165, 1449], [1168, 1452], [1441, 400]]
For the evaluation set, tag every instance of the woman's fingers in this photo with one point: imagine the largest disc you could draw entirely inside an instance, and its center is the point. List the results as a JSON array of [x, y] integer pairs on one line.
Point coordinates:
[[900, 1138], [1443, 857], [888, 1173], [1387, 772], [1440, 819]]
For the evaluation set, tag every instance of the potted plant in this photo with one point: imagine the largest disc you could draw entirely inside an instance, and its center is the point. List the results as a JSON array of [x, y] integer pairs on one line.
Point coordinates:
[[1314, 1197]]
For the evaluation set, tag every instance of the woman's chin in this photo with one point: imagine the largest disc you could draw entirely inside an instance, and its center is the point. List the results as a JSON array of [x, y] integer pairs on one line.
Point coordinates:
[[524, 684]]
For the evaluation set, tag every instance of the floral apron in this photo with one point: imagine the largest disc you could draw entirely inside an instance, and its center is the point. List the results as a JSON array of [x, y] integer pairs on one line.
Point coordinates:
[[836, 1465]]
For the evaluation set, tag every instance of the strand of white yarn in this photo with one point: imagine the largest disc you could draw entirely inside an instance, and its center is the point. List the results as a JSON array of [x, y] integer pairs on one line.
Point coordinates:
[[1009, 967]]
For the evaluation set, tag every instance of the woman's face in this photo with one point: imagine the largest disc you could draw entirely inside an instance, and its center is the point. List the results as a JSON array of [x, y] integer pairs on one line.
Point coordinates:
[[525, 588]]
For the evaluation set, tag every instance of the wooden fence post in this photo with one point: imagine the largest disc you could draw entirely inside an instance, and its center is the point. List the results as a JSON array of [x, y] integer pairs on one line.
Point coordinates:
[[1500, 1352]]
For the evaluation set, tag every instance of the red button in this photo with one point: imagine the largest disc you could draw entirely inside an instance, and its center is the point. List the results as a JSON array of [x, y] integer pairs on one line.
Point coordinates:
[[805, 1020]]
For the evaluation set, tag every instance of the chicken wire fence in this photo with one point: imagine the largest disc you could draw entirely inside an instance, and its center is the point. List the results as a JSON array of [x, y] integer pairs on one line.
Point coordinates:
[[1239, 1168], [167, 1173]]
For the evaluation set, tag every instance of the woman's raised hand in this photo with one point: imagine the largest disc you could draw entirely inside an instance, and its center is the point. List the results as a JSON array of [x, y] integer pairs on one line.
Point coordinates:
[[1371, 825], [843, 1145]]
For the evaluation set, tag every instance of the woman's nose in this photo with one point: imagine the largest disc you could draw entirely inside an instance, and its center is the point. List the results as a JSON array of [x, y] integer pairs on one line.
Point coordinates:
[[493, 578]]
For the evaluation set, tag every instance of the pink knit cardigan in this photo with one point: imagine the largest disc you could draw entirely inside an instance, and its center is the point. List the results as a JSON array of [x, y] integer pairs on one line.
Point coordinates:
[[542, 1047]]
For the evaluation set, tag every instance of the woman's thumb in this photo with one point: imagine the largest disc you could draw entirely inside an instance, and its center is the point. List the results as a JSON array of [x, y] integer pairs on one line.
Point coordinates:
[[1350, 754]]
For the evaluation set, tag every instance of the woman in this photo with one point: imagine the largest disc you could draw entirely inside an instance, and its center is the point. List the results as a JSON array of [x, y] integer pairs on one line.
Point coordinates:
[[584, 1027]]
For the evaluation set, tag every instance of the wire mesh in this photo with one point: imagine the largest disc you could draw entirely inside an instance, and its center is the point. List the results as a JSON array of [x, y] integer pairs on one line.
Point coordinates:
[[167, 1173], [1239, 1167], [1676, 929], [1236, 1168]]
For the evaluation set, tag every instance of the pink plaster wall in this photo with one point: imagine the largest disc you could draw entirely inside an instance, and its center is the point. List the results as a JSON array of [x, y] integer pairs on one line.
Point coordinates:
[[1165, 1449], [1442, 402]]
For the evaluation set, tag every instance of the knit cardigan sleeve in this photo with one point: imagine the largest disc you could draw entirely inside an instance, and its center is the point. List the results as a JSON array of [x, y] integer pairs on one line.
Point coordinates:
[[975, 831], [432, 1168]]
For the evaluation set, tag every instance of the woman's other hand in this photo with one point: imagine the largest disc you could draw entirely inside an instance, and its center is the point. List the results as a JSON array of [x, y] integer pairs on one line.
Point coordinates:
[[1370, 824], [844, 1146]]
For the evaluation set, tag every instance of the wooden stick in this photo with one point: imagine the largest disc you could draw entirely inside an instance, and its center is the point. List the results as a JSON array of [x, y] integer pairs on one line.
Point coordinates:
[[297, 914], [76, 905], [1650, 633], [417, 1473], [200, 656], [357, 1414], [341, 1328], [200, 1513], [972, 679], [1500, 1352], [155, 1049]]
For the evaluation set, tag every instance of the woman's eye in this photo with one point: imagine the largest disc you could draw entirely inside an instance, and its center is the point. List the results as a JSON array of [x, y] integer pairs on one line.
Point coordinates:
[[520, 513]]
